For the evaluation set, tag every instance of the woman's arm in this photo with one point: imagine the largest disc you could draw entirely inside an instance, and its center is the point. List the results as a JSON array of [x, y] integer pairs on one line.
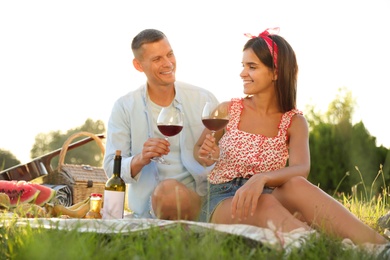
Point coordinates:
[[299, 154]]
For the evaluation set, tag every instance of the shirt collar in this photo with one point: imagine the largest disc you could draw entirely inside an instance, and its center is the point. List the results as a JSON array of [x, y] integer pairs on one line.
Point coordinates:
[[176, 101]]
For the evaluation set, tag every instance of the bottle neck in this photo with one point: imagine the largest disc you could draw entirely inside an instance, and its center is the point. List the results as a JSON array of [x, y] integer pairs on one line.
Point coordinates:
[[117, 165]]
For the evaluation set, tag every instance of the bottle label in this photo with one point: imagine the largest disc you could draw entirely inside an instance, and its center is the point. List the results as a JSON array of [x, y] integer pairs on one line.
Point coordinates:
[[114, 203]]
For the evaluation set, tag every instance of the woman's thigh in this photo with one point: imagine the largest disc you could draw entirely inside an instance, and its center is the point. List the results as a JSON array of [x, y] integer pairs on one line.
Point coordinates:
[[294, 194], [267, 208], [222, 194], [269, 211]]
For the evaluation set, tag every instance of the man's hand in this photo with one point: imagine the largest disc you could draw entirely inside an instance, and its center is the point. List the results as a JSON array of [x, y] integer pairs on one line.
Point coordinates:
[[153, 147]]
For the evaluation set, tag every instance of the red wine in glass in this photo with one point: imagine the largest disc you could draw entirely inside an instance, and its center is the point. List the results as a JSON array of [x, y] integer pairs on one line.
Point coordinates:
[[214, 118], [170, 130], [215, 124], [170, 123]]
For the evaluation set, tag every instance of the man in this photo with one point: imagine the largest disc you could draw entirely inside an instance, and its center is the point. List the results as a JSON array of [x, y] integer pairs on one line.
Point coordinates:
[[166, 191]]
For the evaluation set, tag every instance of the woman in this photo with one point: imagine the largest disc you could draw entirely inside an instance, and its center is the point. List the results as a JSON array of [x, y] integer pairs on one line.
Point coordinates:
[[252, 183]]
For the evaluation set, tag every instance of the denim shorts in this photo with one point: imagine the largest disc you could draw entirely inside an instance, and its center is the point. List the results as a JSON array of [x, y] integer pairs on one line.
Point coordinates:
[[219, 192]]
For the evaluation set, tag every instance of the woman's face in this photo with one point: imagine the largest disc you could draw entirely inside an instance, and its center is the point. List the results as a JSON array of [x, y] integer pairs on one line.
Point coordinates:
[[257, 77]]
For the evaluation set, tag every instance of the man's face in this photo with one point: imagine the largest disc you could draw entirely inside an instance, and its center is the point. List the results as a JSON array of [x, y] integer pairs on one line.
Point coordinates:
[[158, 62]]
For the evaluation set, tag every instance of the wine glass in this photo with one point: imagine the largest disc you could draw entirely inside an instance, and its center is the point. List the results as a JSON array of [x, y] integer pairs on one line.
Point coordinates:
[[214, 118], [170, 123]]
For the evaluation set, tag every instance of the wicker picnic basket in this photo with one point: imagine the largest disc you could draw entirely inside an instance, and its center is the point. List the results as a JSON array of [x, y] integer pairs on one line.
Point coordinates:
[[82, 179]]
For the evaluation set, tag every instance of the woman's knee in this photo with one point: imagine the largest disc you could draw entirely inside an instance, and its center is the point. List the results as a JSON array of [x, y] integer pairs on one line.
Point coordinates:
[[296, 182], [292, 193]]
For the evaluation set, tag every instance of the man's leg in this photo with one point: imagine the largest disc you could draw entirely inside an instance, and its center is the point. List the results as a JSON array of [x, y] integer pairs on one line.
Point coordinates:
[[172, 200]]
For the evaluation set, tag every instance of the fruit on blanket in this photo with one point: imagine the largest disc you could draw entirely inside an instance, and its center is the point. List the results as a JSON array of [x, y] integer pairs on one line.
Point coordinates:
[[80, 212], [28, 210], [78, 204], [4, 201], [46, 194], [49, 209], [59, 210], [18, 191]]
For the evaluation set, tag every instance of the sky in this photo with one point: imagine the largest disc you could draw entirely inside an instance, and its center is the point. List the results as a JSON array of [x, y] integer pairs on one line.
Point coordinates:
[[62, 62]]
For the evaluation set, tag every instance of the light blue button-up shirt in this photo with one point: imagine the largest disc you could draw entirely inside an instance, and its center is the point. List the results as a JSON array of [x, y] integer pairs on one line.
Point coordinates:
[[131, 124]]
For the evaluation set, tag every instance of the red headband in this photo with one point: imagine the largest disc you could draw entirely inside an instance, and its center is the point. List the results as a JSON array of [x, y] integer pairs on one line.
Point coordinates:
[[272, 47]]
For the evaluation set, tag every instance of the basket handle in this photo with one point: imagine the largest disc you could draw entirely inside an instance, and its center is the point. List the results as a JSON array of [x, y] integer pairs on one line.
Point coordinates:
[[70, 139]]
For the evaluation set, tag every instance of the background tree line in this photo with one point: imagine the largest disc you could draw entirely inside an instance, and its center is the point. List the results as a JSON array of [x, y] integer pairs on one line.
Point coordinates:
[[343, 155], [88, 154]]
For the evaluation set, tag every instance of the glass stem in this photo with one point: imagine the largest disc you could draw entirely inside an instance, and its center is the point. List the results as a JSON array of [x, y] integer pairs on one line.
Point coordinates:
[[210, 156]]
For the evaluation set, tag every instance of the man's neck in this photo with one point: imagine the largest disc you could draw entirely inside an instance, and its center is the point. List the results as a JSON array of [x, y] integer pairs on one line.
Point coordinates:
[[161, 95]]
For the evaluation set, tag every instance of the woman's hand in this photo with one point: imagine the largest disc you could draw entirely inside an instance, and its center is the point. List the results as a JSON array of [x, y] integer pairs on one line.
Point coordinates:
[[209, 148], [206, 147], [245, 200]]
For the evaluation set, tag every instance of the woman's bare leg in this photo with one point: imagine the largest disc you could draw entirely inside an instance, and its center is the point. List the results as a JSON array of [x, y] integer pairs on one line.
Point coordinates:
[[268, 209], [324, 212]]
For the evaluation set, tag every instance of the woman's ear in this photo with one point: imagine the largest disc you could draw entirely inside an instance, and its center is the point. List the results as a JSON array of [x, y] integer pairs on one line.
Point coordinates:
[[137, 65], [275, 78]]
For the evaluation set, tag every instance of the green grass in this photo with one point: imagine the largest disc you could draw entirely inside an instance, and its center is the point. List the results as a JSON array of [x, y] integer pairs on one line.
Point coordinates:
[[171, 243], [367, 206], [179, 242]]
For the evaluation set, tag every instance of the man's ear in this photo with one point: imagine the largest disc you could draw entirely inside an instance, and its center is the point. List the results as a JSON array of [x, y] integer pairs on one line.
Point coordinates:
[[137, 65]]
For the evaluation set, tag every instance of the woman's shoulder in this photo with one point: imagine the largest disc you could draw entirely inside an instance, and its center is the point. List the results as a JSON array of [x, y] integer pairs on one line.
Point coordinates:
[[232, 103], [295, 111], [294, 117], [299, 121], [236, 100]]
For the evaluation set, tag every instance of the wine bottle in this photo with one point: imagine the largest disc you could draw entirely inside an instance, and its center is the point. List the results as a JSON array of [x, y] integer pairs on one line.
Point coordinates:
[[114, 192]]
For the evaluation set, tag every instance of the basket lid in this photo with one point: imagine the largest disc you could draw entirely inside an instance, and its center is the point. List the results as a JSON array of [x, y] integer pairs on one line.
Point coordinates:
[[84, 173]]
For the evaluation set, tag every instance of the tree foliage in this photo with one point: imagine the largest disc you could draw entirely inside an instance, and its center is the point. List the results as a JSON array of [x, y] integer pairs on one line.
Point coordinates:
[[7, 160], [89, 154], [339, 149]]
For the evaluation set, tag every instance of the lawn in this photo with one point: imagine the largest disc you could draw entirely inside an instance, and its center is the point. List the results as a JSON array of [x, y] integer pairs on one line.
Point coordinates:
[[23, 240]]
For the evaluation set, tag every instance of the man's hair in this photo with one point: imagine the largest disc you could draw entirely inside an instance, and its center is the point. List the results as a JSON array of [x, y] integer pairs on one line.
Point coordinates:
[[146, 36]]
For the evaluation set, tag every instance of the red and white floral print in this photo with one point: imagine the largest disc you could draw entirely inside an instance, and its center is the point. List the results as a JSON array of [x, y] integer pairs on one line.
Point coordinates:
[[244, 154]]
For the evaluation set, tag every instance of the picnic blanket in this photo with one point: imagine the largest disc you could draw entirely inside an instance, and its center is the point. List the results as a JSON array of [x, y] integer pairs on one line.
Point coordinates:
[[269, 237], [265, 236]]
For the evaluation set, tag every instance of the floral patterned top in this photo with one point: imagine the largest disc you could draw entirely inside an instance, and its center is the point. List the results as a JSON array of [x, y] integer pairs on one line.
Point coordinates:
[[244, 154]]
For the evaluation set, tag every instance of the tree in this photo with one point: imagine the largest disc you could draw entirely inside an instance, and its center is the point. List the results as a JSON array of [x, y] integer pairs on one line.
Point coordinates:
[[329, 142], [341, 109], [365, 155], [88, 154], [7, 160], [342, 155]]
